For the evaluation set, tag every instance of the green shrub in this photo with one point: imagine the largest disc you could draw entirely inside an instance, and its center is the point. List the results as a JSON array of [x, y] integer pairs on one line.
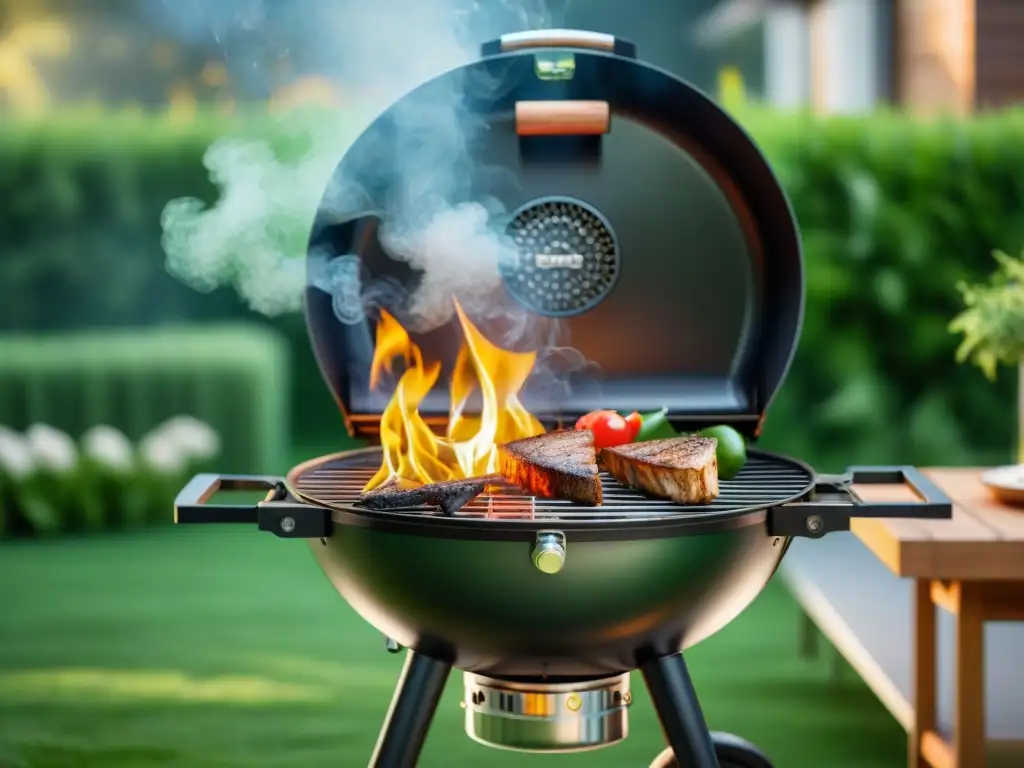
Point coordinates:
[[894, 212], [233, 378]]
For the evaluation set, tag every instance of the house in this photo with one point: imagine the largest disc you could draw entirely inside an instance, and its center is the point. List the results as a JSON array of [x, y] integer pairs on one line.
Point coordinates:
[[851, 55]]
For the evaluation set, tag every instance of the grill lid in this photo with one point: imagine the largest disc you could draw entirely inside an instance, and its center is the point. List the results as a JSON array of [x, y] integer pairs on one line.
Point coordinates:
[[632, 233]]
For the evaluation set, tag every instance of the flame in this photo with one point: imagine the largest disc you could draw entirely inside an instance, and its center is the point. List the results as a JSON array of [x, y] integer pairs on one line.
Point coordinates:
[[412, 451]]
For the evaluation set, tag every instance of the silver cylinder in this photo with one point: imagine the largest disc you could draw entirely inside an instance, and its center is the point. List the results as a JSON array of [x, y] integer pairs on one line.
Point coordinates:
[[546, 717]]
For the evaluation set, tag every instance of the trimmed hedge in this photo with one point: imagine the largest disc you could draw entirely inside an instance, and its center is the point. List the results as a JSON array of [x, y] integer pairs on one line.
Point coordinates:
[[893, 211], [233, 378]]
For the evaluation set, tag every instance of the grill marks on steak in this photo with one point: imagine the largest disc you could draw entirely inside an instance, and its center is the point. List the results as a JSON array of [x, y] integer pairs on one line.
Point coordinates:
[[559, 465], [683, 469], [448, 496]]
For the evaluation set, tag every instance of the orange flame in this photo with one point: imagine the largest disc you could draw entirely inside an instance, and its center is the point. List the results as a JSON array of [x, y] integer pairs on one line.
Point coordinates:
[[412, 452]]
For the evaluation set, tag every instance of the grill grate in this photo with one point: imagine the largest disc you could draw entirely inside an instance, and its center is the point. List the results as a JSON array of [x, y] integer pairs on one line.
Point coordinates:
[[766, 480]]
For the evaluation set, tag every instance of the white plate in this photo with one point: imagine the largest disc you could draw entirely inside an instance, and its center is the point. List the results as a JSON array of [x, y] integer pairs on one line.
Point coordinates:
[[1006, 483]]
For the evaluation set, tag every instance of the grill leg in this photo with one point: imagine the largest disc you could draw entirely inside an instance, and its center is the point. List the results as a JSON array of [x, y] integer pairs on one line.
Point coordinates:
[[412, 708], [679, 712]]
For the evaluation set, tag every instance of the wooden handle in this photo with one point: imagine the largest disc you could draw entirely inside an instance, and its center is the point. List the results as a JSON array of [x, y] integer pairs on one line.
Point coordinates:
[[562, 118]]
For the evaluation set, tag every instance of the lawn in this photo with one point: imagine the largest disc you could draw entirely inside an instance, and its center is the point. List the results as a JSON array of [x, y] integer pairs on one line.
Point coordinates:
[[223, 647]]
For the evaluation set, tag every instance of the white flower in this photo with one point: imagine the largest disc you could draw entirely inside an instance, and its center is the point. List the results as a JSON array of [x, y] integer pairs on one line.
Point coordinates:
[[108, 447], [164, 455], [16, 459], [53, 450], [197, 440]]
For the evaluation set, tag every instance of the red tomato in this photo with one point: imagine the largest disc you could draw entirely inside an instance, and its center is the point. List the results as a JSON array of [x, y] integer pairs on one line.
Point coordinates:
[[609, 428], [634, 421], [587, 421]]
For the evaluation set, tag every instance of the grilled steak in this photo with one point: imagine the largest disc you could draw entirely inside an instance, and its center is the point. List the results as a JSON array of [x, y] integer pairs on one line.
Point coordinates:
[[558, 465], [448, 496], [683, 469]]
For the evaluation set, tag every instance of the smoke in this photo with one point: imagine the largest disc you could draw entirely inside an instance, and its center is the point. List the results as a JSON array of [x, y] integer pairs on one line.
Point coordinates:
[[253, 238]]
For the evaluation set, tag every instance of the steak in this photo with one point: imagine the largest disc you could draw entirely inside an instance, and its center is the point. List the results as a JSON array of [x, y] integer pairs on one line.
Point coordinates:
[[448, 496], [555, 465], [684, 469]]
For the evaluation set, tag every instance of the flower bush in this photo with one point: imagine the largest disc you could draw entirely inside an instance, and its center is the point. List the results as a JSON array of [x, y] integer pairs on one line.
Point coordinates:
[[50, 483]]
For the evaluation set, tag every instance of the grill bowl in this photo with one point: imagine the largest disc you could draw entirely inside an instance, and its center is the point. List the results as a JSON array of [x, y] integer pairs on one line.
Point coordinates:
[[640, 575]]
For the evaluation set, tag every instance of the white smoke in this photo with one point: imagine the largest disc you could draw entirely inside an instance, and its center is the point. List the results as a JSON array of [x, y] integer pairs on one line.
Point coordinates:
[[253, 237]]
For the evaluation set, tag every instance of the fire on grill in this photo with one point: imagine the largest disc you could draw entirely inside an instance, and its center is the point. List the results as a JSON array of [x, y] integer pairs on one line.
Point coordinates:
[[420, 468], [505, 444], [413, 453], [556, 569]]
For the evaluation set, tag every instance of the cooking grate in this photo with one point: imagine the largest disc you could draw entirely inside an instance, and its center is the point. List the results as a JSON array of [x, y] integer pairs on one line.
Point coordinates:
[[766, 480]]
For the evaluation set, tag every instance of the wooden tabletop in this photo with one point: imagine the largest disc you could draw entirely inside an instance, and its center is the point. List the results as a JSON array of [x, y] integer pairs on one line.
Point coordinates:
[[983, 541]]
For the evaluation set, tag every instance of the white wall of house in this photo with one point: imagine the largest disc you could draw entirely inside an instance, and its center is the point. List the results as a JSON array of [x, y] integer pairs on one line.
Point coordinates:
[[850, 57], [849, 50], [787, 51]]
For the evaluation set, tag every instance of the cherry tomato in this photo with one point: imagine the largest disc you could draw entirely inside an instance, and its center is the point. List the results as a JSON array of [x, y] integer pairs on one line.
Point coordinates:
[[587, 421], [634, 421], [609, 428]]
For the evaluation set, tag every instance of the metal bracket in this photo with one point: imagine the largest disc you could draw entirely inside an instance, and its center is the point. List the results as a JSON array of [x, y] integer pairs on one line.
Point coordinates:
[[291, 520]]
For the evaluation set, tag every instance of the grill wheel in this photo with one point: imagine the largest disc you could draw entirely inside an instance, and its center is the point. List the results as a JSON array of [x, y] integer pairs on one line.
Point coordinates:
[[567, 258]]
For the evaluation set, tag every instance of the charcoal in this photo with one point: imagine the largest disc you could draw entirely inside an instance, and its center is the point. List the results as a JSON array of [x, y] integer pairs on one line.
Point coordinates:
[[448, 496]]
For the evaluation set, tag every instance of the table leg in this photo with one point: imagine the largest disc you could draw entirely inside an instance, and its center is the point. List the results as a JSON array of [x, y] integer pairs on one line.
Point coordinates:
[[923, 676], [969, 712]]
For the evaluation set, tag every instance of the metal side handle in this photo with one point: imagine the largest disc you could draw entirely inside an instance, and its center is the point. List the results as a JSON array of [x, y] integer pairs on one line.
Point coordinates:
[[559, 38], [190, 504], [277, 513], [834, 503], [912, 477]]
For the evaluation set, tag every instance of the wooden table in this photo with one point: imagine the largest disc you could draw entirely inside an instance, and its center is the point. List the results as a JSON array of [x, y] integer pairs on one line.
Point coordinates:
[[971, 566]]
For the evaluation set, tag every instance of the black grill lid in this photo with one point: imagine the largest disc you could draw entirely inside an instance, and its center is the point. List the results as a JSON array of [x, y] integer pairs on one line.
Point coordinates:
[[647, 249]]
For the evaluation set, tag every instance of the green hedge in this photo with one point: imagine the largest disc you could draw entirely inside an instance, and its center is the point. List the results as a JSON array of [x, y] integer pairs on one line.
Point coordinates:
[[893, 213], [233, 378]]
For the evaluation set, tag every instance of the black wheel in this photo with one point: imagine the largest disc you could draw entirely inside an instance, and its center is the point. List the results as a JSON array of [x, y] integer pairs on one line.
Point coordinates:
[[731, 751]]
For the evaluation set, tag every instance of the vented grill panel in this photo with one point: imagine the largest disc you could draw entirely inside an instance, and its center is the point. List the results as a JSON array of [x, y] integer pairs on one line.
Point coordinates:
[[566, 259], [766, 480]]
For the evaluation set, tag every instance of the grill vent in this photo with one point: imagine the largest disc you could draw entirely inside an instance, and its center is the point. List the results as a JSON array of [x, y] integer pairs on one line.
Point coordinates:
[[567, 259]]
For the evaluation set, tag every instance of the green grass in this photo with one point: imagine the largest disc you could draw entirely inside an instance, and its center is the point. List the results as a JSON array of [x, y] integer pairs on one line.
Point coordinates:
[[223, 647]]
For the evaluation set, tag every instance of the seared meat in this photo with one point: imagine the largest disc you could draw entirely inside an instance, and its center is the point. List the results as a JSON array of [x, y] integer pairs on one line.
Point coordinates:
[[448, 496], [559, 465], [683, 469]]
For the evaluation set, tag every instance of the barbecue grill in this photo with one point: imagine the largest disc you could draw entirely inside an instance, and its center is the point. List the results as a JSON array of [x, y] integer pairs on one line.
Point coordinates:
[[647, 223]]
